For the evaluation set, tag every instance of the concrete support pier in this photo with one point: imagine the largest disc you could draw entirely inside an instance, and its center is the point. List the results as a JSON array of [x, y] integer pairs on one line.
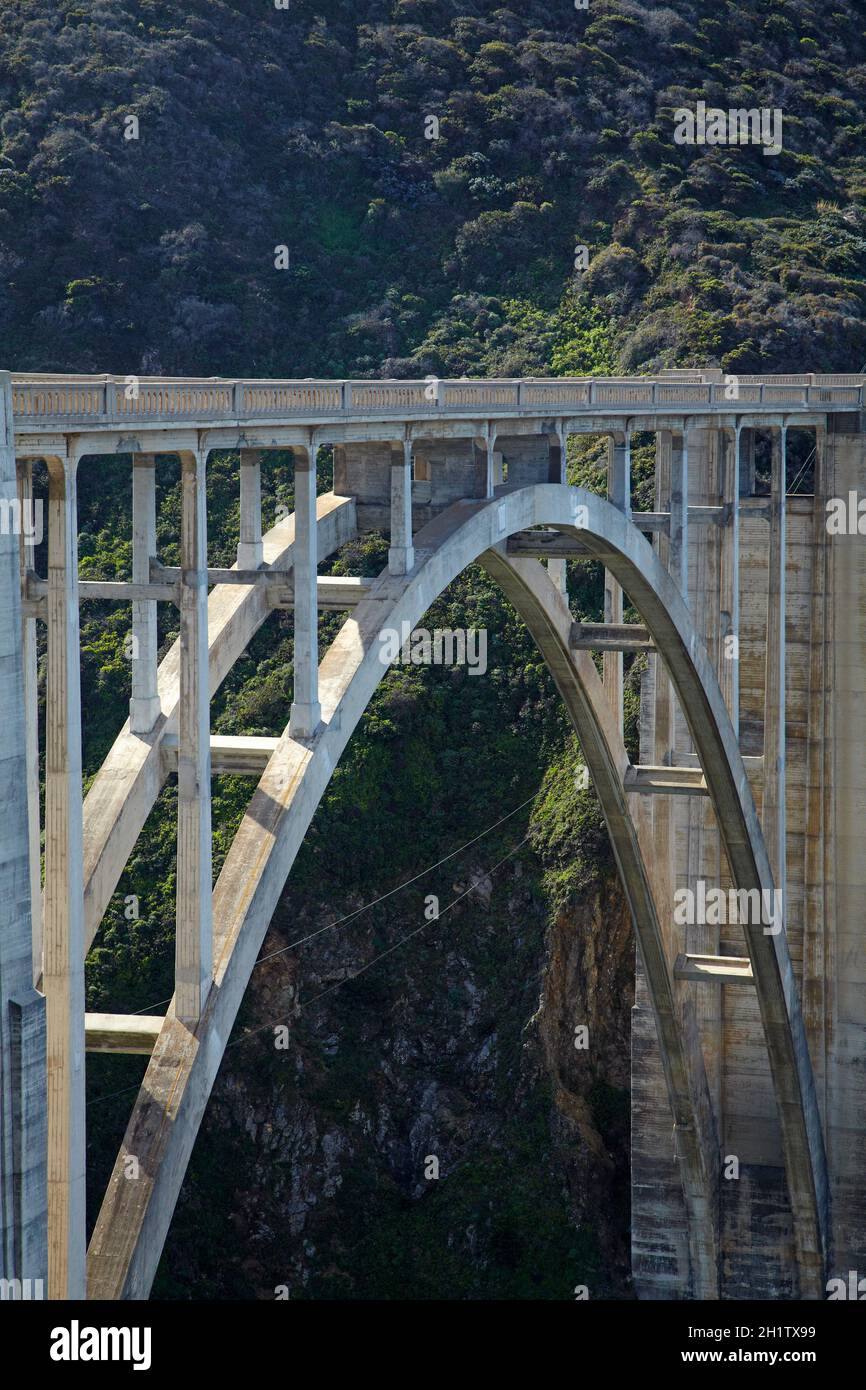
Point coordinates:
[[144, 706], [401, 556], [306, 710], [64, 895], [23, 1099], [250, 552], [194, 935]]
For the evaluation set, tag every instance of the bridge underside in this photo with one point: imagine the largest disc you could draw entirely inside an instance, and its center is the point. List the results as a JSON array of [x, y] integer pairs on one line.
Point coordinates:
[[747, 1104]]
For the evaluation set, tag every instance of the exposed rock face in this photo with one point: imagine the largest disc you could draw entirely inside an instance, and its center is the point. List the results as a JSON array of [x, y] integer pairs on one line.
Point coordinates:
[[315, 1174]]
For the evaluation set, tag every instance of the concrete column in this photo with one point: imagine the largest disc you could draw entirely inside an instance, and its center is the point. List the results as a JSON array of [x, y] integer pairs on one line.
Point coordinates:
[[63, 972], [23, 1101], [729, 632], [747, 462], [619, 493], [490, 468], [306, 711], [679, 526], [250, 553], [144, 706], [31, 535], [773, 816], [558, 459], [619, 472], [194, 930], [558, 571], [401, 555]]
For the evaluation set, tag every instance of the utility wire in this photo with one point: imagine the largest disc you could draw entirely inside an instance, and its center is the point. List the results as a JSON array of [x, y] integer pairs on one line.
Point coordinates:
[[253, 1031], [366, 907], [382, 954]]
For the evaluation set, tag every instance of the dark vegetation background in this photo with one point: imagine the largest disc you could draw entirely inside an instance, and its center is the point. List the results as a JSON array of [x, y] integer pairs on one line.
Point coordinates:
[[306, 127]]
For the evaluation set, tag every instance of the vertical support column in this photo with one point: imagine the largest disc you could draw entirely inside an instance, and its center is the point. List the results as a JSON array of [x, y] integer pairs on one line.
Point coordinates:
[[679, 531], [144, 706], [63, 972], [558, 456], [659, 717], [619, 492], [250, 553], [619, 472], [747, 462], [557, 569], [194, 931], [729, 635], [773, 817], [306, 710], [401, 555], [490, 469], [31, 535], [23, 1102]]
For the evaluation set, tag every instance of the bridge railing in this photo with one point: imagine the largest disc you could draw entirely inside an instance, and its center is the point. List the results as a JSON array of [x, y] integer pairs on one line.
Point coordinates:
[[69, 401]]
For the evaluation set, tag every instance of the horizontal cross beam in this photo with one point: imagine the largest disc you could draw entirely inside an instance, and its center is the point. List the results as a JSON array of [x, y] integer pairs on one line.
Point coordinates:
[[122, 1033], [675, 781], [719, 970], [546, 544], [335, 592], [241, 756], [610, 637]]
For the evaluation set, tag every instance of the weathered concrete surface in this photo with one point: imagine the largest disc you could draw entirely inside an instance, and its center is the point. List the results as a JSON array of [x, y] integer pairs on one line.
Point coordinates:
[[844, 935], [63, 951], [757, 1233], [23, 1195]]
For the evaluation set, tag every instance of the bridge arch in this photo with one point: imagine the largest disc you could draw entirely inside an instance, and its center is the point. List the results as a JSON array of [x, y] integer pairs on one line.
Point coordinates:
[[135, 1216]]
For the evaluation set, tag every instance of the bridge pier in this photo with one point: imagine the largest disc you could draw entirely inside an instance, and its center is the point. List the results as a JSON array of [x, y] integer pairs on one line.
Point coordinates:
[[31, 713], [63, 970], [250, 553], [619, 493], [194, 927], [773, 810], [306, 712], [144, 705], [401, 556], [23, 1098]]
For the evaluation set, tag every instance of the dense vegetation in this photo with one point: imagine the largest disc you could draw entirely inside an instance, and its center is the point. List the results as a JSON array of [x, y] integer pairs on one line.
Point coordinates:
[[306, 127]]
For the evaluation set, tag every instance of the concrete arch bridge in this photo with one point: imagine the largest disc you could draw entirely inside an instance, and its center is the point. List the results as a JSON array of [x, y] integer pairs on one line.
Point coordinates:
[[748, 1088]]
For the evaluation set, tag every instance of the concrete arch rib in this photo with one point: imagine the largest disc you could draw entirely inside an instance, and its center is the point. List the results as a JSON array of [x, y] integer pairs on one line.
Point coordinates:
[[527, 584], [135, 1216]]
